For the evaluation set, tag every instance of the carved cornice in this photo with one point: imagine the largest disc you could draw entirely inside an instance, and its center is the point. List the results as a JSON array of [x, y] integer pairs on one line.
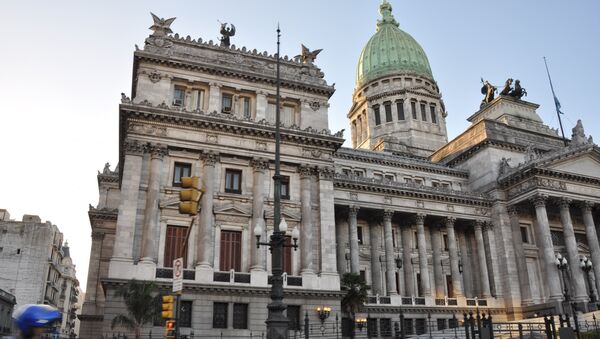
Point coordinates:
[[401, 92], [370, 157], [533, 183], [260, 164], [412, 191], [227, 123], [102, 214]]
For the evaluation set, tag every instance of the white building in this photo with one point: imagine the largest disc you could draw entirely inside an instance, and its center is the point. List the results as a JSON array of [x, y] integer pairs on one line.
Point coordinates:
[[36, 267], [434, 226]]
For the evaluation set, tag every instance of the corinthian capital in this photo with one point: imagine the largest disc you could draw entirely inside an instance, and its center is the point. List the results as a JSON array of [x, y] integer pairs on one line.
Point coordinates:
[[587, 206], [512, 210], [210, 158], [133, 147], [420, 218], [305, 171], [157, 151], [539, 200], [387, 215], [325, 173], [450, 222], [479, 224], [353, 211], [260, 164], [564, 202]]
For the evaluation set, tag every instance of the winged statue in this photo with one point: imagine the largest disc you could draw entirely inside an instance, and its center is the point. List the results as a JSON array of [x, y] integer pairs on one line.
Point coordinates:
[[227, 32], [161, 26], [308, 56]]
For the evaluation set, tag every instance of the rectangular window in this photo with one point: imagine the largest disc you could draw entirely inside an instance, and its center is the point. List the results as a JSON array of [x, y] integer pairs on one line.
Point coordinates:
[[388, 112], [226, 103], [196, 101], [420, 326], [359, 173], [246, 107], [389, 177], [293, 315], [449, 286], [413, 109], [524, 234], [174, 245], [233, 181], [385, 327], [220, 315], [231, 251], [433, 115], [376, 114], [240, 316], [400, 109], [441, 324], [445, 241], [419, 287], [178, 96], [363, 275], [181, 170], [423, 112], [372, 328], [285, 187], [416, 240], [359, 230], [393, 238], [271, 107], [185, 313], [287, 255], [287, 116]]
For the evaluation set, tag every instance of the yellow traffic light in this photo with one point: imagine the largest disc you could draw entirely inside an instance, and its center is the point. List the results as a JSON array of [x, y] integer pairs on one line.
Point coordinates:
[[168, 307], [190, 196], [170, 331]]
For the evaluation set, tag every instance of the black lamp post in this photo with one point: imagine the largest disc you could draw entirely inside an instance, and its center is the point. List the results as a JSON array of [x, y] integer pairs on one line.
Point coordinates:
[[277, 323], [398, 261], [562, 265], [586, 266], [323, 313]]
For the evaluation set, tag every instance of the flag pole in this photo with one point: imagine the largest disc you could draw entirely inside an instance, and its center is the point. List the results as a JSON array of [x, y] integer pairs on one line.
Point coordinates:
[[556, 103]]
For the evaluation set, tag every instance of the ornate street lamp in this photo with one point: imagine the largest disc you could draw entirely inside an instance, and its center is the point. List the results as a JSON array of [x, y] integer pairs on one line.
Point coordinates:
[[323, 313], [360, 323], [562, 264], [398, 261], [586, 266]]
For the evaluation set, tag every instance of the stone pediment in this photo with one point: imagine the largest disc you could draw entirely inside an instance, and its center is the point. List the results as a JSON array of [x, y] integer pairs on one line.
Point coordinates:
[[586, 164], [288, 215], [231, 209], [169, 202], [423, 90]]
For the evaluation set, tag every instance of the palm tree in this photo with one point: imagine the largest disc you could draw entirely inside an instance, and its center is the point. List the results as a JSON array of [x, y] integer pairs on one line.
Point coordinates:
[[356, 295], [140, 302]]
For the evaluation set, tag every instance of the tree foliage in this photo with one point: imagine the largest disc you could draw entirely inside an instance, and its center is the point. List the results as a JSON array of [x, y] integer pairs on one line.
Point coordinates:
[[140, 302], [356, 293]]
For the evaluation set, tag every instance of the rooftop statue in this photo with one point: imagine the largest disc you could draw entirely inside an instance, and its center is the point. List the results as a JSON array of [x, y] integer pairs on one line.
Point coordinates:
[[507, 87], [518, 92], [161, 26], [489, 91], [578, 136], [226, 33], [307, 56]]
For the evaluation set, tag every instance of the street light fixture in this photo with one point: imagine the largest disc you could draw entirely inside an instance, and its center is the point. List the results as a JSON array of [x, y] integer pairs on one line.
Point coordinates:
[[398, 261], [562, 264], [360, 323], [586, 265], [323, 313]]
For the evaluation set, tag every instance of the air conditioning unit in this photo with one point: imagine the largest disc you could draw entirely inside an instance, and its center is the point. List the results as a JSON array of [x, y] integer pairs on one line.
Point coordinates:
[[226, 109], [178, 102]]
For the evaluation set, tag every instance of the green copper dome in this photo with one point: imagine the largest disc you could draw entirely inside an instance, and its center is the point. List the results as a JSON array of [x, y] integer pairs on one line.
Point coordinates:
[[390, 50]]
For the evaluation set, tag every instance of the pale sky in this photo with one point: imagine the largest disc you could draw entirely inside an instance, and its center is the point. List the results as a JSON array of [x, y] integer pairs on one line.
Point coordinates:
[[63, 65]]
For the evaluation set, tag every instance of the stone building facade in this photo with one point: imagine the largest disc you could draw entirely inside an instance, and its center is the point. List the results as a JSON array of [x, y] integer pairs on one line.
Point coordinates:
[[36, 267], [7, 305], [435, 227]]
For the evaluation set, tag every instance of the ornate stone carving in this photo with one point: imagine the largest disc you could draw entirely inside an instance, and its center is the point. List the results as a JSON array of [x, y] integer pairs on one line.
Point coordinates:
[[259, 164], [326, 173], [539, 200], [353, 211], [387, 215], [587, 206], [420, 204], [161, 26], [512, 210], [133, 147], [315, 105], [261, 146], [98, 236], [564, 202], [387, 200], [157, 151], [210, 158], [353, 196], [420, 218], [536, 182], [450, 208], [578, 136], [450, 222], [154, 76], [479, 224], [307, 56], [125, 99], [212, 138], [305, 171], [147, 129]]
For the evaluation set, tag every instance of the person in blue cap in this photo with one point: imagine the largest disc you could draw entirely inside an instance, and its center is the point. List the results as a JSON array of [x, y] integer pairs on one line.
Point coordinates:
[[36, 320]]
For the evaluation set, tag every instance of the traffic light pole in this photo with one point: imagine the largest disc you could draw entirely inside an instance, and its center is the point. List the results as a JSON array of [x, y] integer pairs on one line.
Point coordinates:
[[177, 308]]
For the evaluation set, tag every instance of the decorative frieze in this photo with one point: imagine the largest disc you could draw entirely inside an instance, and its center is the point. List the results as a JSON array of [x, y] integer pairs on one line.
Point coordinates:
[[145, 129], [536, 182]]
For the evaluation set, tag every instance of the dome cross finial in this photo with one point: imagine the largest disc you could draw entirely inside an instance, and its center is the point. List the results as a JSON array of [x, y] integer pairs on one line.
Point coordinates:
[[387, 18]]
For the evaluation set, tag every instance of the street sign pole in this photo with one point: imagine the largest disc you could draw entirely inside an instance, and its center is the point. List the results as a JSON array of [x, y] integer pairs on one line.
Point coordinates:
[[177, 289]]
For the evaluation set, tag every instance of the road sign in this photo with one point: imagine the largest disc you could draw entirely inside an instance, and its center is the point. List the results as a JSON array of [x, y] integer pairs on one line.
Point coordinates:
[[178, 275]]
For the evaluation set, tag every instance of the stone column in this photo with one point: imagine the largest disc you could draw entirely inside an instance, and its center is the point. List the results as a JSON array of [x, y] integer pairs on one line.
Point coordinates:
[[423, 265], [453, 254], [578, 288], [214, 98], [545, 237], [390, 266], [375, 236], [466, 264], [409, 275], [151, 228], [483, 271], [342, 239], [205, 248], [261, 105], [520, 258], [306, 226], [329, 275], [130, 189], [352, 222], [438, 275], [592, 238], [257, 255], [489, 238]]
